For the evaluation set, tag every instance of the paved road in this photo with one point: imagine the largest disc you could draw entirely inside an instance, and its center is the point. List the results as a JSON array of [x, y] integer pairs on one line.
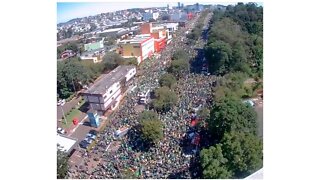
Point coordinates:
[[67, 107]]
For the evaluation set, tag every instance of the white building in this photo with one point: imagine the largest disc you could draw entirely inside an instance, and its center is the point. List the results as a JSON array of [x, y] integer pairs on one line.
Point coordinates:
[[65, 143], [107, 92]]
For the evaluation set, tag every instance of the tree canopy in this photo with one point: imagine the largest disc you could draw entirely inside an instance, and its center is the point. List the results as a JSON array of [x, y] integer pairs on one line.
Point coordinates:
[[234, 51], [151, 126], [180, 54], [62, 164], [236, 40], [167, 80], [231, 114], [148, 115], [165, 99], [238, 155], [243, 151], [179, 67], [214, 164]]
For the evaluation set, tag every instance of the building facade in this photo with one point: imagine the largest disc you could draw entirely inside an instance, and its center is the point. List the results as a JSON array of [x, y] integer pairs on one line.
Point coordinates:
[[140, 47], [107, 92], [93, 46], [159, 33]]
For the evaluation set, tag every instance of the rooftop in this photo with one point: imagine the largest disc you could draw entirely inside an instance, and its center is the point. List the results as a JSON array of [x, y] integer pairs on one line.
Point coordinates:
[[65, 142], [137, 39], [108, 80], [112, 30]]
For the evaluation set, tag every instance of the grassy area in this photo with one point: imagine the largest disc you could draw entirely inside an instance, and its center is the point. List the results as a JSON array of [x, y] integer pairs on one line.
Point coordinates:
[[70, 116], [82, 101]]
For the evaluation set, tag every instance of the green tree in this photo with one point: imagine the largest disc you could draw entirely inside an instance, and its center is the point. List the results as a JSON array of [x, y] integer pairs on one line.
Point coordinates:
[[231, 114], [148, 115], [62, 164], [130, 61], [151, 126], [112, 60], [204, 113], [165, 99], [219, 55], [167, 80], [243, 151], [214, 164], [179, 67], [180, 54]]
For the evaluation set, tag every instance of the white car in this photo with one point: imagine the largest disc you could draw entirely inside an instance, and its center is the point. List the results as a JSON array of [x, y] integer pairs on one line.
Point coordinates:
[[61, 131], [61, 102]]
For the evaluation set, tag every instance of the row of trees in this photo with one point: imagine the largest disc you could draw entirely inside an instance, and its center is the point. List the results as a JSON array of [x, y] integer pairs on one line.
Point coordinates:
[[235, 40], [74, 73], [166, 98], [180, 63], [237, 150], [196, 32]]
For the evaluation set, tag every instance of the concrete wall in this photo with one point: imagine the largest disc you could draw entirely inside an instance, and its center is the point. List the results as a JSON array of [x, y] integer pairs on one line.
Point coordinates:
[[147, 47]]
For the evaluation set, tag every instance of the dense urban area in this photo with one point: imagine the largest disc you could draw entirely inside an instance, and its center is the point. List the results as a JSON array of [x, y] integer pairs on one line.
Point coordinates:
[[172, 92]]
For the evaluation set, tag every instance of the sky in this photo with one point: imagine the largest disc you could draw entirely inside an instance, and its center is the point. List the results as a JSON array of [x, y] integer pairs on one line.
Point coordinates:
[[70, 10]]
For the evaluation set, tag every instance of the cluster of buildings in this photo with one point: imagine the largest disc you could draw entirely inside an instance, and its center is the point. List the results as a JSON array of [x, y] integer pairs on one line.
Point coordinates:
[[111, 32], [153, 38], [108, 20]]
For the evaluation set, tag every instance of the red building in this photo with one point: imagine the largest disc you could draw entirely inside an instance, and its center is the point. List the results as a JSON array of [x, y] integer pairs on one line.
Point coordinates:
[[190, 16], [158, 33], [159, 44]]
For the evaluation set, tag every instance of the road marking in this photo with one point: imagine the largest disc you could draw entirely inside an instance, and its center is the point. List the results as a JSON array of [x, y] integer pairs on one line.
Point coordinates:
[[74, 129]]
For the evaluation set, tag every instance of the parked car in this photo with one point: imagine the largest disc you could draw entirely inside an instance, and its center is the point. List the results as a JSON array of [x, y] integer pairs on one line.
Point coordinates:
[[91, 136], [61, 102], [61, 131], [88, 140], [84, 144], [94, 132]]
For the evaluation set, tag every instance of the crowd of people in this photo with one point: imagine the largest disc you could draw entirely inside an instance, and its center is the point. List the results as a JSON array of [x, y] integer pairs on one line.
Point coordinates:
[[166, 158]]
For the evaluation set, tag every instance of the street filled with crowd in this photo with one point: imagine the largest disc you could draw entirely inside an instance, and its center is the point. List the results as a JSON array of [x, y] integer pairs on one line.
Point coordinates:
[[170, 157]]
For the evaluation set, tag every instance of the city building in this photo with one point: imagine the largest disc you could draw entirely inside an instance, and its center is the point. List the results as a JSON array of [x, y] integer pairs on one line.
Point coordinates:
[[94, 45], [95, 56], [150, 15], [110, 32], [170, 29], [66, 144], [107, 92], [159, 33], [179, 16], [140, 47], [94, 59]]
